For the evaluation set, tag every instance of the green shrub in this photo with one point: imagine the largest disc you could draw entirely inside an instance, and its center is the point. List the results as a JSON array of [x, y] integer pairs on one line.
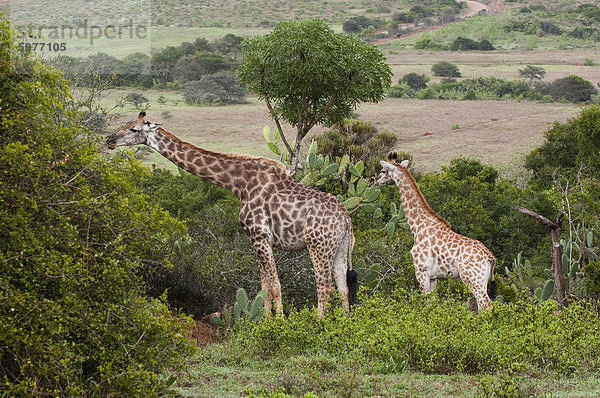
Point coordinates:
[[221, 87], [427, 43], [466, 44], [401, 91], [592, 280], [572, 88], [415, 81], [445, 69], [437, 336], [360, 140], [75, 240], [568, 149]]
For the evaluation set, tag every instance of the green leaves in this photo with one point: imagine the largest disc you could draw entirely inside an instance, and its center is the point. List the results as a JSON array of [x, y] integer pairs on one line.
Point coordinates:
[[427, 331], [307, 63], [76, 236]]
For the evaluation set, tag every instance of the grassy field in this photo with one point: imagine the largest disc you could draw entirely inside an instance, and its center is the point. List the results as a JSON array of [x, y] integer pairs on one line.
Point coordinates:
[[434, 131], [217, 372]]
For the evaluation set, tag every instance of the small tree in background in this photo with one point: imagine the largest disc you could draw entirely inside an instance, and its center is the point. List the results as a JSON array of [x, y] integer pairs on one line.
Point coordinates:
[[138, 100], [307, 74], [445, 69], [532, 73], [415, 81]]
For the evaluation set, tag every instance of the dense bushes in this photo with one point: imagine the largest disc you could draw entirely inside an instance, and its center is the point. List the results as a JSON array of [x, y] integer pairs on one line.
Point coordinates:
[[220, 87], [571, 88], [75, 239], [169, 67], [360, 140], [415, 81], [445, 69], [569, 149], [466, 44], [436, 336]]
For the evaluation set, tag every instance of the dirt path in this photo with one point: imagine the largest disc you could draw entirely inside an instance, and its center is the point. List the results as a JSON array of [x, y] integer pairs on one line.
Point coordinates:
[[473, 8]]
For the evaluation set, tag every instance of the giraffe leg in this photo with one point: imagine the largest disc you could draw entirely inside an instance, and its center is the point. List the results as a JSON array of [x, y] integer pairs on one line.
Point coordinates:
[[269, 280], [322, 257], [479, 290], [477, 285], [340, 268], [423, 265], [432, 284]]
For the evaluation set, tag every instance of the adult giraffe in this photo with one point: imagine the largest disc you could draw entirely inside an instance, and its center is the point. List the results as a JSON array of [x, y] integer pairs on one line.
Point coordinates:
[[438, 252], [276, 211]]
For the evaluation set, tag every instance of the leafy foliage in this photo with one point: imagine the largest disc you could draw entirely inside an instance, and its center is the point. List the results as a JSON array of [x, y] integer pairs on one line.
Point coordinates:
[[221, 87], [434, 336], [242, 311], [572, 88], [308, 74], [532, 73], [359, 140], [466, 44], [490, 87], [567, 149], [445, 69], [592, 282], [191, 67], [75, 240], [415, 81]]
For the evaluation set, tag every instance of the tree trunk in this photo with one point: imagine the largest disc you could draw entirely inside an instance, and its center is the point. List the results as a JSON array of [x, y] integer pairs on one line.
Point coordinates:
[[557, 250], [557, 269], [295, 154]]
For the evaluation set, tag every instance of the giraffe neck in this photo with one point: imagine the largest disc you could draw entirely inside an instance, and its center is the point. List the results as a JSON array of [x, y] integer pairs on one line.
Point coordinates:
[[417, 211], [229, 171]]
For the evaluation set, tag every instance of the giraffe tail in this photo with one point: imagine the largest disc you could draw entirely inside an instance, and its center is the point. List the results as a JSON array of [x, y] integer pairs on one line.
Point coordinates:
[[351, 276], [491, 289]]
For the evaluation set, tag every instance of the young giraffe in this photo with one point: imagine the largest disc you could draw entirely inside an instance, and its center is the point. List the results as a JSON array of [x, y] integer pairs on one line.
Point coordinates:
[[276, 211], [438, 252]]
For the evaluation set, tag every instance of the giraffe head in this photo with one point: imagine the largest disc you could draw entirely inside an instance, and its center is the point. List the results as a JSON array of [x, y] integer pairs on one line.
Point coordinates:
[[133, 132], [389, 169]]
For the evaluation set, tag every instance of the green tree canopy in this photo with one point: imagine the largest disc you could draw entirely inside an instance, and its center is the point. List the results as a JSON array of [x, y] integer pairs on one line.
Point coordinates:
[[75, 238], [573, 88], [568, 149], [308, 74], [445, 69], [532, 73]]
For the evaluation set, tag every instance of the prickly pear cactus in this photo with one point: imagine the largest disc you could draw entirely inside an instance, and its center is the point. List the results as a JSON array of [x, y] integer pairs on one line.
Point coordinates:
[[273, 145], [242, 310]]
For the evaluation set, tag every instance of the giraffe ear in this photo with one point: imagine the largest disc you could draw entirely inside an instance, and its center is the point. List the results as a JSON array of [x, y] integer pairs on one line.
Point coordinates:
[[386, 165], [405, 163]]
